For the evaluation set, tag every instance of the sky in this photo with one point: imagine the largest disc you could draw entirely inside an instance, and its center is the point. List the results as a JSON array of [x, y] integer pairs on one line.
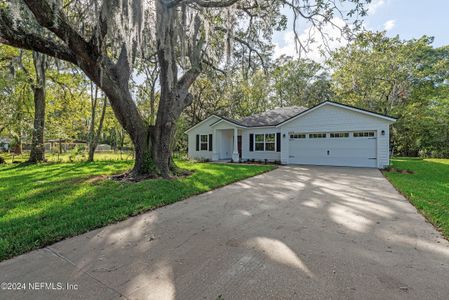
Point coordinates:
[[406, 18]]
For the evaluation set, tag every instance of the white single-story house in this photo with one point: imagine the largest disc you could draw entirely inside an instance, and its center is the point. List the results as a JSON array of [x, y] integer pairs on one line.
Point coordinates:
[[329, 133]]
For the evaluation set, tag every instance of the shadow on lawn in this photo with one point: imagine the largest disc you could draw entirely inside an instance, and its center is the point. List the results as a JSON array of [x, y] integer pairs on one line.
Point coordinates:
[[54, 209]]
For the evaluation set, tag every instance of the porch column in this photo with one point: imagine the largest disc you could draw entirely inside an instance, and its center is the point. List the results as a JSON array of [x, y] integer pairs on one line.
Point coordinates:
[[235, 153], [214, 146]]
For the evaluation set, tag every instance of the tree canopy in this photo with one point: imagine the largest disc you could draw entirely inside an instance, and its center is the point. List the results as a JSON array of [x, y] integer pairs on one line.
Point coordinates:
[[106, 39], [162, 66]]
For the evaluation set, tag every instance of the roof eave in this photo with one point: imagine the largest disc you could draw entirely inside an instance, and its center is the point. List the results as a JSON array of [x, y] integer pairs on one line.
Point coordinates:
[[197, 124], [230, 122]]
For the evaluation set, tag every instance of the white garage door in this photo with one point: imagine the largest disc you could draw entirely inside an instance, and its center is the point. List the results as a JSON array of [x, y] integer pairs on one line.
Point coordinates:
[[355, 149]]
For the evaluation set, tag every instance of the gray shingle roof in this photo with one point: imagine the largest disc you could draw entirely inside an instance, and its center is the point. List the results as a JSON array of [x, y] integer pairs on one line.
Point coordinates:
[[280, 115], [271, 117]]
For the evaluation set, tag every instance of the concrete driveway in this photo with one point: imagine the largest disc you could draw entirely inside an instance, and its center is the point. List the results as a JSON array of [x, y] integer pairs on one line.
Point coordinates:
[[296, 232]]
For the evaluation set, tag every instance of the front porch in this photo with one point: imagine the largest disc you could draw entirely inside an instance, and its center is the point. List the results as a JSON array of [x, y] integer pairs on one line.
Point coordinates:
[[228, 144]]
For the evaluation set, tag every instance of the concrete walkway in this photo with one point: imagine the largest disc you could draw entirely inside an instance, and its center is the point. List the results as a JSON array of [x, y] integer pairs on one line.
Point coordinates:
[[296, 232]]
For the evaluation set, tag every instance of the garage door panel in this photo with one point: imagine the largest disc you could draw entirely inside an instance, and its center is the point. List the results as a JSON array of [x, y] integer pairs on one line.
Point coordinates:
[[350, 151]]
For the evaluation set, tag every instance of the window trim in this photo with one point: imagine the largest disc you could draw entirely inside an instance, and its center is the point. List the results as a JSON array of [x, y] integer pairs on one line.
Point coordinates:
[[256, 142], [206, 142], [273, 142], [297, 135], [319, 135], [338, 135], [365, 134], [264, 142]]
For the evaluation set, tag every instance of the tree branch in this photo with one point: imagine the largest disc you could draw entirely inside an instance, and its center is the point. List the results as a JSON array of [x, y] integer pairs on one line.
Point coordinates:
[[15, 36], [245, 43], [223, 3], [54, 19], [202, 3]]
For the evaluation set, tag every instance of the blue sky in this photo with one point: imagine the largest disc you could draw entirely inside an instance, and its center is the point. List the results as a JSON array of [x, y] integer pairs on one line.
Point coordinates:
[[406, 18]]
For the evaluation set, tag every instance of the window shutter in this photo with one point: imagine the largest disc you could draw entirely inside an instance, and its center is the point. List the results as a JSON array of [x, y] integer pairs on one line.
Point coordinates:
[[251, 142], [210, 142], [197, 142], [278, 142]]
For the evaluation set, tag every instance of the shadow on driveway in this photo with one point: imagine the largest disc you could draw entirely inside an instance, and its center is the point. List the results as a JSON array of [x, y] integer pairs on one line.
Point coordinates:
[[295, 232]]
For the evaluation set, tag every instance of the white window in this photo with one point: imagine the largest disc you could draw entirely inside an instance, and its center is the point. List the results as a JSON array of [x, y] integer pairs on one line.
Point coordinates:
[[260, 141], [364, 134], [204, 142], [265, 142], [339, 134], [296, 135], [317, 135], [270, 140]]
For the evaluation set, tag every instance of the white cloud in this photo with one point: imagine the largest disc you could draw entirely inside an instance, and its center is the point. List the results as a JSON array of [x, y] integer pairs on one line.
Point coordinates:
[[374, 6], [332, 40], [288, 49], [389, 25]]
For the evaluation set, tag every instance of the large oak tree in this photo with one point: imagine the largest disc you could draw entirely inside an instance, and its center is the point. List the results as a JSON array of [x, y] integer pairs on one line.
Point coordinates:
[[106, 38]]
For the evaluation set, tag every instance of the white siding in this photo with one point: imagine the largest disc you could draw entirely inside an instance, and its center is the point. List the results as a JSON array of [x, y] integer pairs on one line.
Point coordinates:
[[330, 118], [203, 128], [225, 139], [225, 143], [258, 155], [223, 125], [383, 146], [327, 118]]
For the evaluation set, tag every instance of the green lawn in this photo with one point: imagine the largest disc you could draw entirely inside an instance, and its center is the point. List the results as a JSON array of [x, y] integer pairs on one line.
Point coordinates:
[[70, 156], [427, 188], [41, 204]]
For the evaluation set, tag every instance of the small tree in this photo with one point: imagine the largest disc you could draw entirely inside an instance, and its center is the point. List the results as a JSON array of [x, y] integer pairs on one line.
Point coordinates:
[[94, 135], [37, 153]]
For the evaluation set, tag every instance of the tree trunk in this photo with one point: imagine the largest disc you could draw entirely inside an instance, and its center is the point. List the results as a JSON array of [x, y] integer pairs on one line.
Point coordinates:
[[37, 146], [152, 105], [174, 96], [151, 143], [17, 149], [94, 142]]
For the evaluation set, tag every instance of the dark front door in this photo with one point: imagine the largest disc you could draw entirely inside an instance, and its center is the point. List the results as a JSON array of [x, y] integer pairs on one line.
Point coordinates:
[[239, 145]]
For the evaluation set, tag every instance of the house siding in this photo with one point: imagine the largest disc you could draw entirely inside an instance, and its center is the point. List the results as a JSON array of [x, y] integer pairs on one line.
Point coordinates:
[[259, 155], [326, 118], [204, 128]]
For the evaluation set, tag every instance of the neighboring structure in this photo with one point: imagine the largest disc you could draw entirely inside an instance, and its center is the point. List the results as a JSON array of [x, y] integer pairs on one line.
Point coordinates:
[[4, 144], [329, 133], [103, 148], [63, 145]]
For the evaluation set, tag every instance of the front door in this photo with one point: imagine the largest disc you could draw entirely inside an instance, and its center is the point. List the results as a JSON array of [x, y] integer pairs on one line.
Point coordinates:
[[239, 145]]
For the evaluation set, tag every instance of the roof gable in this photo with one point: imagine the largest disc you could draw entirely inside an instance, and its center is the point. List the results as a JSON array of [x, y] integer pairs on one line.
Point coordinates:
[[280, 116], [229, 121], [272, 117], [202, 122], [340, 105]]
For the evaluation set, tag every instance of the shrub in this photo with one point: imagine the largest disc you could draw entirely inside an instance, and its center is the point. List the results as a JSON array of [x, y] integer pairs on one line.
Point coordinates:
[[78, 150]]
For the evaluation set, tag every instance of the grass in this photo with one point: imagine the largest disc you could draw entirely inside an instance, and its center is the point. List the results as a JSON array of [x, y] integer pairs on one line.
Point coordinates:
[[70, 157], [427, 189], [41, 204]]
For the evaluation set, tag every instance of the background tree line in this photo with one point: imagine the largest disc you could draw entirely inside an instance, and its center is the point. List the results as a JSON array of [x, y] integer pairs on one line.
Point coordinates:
[[408, 79], [403, 78]]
